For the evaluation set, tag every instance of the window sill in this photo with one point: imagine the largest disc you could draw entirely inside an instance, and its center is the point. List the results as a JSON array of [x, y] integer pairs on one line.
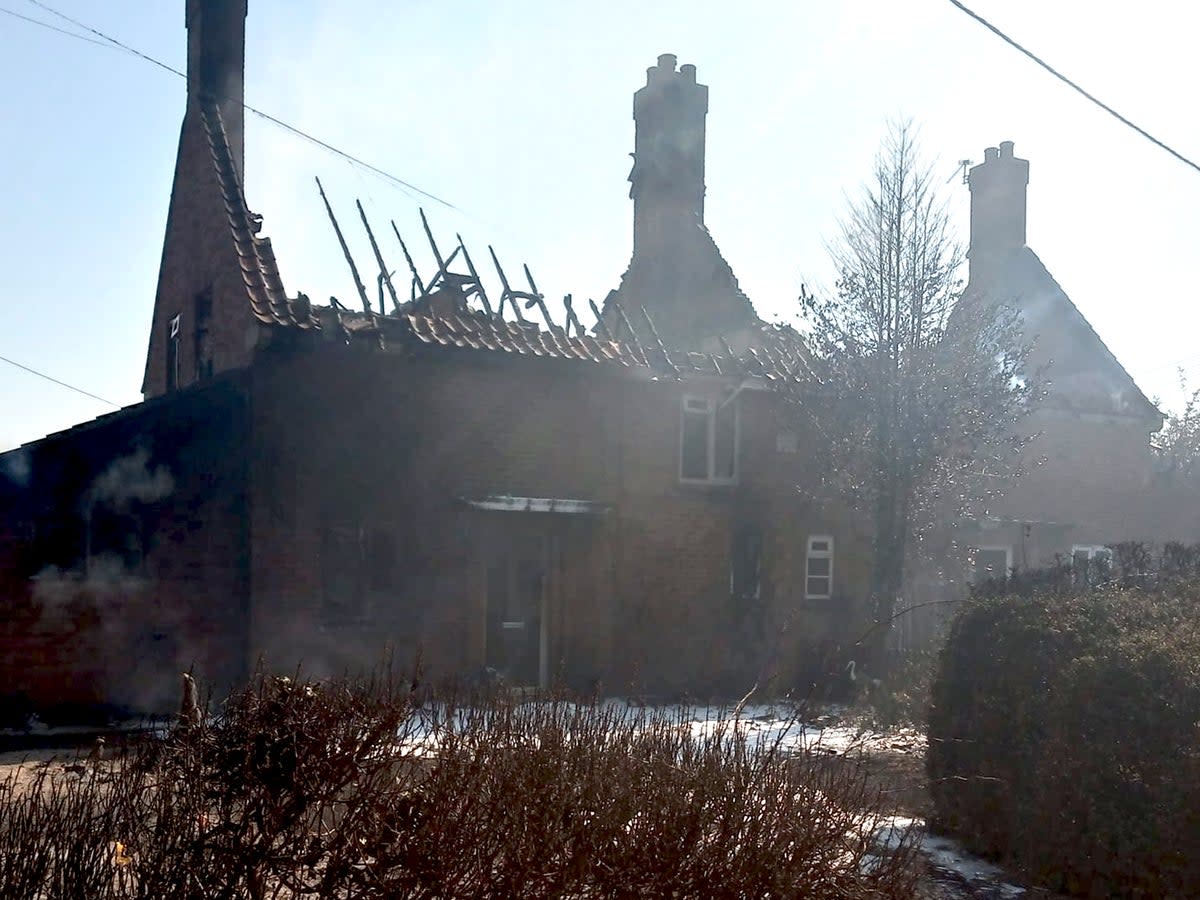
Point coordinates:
[[708, 482]]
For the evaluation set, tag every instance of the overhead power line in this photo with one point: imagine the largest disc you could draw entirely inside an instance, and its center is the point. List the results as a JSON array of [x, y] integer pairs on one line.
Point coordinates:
[[17, 15], [299, 132], [1067, 81], [69, 387]]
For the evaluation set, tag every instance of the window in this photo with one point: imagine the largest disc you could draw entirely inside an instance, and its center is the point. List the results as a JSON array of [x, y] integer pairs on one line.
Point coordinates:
[[991, 562], [1091, 560], [173, 360], [1082, 554], [342, 565], [818, 568], [745, 565], [708, 440], [360, 570], [202, 341]]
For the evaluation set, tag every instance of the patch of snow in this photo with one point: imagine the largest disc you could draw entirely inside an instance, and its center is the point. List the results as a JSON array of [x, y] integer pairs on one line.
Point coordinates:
[[783, 726], [946, 855]]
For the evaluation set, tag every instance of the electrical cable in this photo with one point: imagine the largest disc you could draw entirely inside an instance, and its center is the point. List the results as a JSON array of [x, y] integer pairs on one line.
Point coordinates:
[[17, 15], [72, 387], [1067, 81], [325, 145]]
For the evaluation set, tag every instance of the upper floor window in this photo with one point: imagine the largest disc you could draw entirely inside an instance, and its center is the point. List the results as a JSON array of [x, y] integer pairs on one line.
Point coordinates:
[[173, 360], [818, 568], [201, 339], [708, 440]]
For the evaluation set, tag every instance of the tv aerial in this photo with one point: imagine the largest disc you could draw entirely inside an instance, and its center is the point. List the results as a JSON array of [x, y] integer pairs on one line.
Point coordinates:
[[963, 165]]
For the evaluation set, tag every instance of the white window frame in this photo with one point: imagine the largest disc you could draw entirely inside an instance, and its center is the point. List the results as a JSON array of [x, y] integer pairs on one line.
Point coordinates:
[[1092, 551], [711, 406], [1008, 559], [810, 554], [174, 361]]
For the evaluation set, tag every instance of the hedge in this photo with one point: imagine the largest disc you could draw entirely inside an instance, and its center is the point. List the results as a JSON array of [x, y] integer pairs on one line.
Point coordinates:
[[1064, 735]]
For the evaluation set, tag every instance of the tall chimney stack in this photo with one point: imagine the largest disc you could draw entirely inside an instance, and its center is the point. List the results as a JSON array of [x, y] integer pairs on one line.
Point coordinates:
[[667, 181], [216, 63], [998, 188]]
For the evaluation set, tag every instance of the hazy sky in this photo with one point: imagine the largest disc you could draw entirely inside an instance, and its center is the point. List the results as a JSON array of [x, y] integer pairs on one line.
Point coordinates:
[[519, 114]]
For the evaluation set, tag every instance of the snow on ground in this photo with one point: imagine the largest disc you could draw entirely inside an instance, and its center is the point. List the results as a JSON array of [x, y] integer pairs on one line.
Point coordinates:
[[824, 731], [789, 729], [947, 859]]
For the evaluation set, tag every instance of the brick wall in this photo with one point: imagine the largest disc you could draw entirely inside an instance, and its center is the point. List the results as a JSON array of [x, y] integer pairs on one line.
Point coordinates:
[[199, 260], [133, 562], [642, 592], [317, 515]]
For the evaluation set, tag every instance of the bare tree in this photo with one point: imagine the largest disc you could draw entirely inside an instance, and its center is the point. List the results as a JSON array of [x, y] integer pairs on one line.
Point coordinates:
[[1178, 443], [924, 386]]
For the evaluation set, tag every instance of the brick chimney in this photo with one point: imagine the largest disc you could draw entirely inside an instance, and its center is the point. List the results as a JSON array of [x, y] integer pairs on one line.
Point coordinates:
[[216, 61], [998, 187], [667, 181]]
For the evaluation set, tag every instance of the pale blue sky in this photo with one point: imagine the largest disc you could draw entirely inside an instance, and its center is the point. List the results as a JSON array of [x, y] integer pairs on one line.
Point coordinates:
[[519, 114]]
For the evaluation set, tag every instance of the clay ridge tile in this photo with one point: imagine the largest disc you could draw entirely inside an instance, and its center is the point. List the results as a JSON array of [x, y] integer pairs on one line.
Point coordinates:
[[256, 258]]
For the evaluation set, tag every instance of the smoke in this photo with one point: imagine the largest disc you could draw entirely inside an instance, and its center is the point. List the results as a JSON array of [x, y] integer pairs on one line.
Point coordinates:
[[128, 479], [16, 467], [122, 635]]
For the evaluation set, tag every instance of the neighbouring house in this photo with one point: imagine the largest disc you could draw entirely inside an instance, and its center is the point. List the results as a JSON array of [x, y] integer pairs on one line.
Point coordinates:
[[1087, 479], [626, 506], [1090, 478]]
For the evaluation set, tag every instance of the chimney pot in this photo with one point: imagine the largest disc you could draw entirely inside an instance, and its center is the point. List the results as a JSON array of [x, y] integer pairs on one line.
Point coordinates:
[[667, 61], [688, 71], [998, 194]]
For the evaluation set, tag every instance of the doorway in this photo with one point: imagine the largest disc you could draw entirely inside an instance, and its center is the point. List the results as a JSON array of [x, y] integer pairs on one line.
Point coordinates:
[[516, 610]]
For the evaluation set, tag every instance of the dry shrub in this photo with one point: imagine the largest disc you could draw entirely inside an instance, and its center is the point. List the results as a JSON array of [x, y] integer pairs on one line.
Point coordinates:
[[1063, 734], [370, 788]]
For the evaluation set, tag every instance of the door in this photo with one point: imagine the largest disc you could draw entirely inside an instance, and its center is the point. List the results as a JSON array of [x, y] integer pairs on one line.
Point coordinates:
[[516, 634]]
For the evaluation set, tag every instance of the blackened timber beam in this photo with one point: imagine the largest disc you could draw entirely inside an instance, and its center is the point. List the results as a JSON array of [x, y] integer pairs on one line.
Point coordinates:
[[600, 323], [362, 291], [443, 264], [417, 281], [572, 319], [536, 299], [483, 297], [633, 338], [509, 294], [662, 348], [384, 275]]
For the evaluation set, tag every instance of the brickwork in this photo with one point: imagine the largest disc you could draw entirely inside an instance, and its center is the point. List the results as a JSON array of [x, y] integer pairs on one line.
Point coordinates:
[[133, 564], [199, 266], [642, 591]]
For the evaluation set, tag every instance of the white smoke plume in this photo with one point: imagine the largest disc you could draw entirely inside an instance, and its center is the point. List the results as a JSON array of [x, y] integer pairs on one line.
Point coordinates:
[[129, 478]]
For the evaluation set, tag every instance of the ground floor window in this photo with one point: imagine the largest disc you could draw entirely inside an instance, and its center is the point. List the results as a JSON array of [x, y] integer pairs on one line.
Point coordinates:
[[990, 563], [1091, 560], [818, 568]]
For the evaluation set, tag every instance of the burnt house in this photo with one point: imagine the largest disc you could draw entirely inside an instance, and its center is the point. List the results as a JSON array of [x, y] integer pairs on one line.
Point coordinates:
[[447, 469]]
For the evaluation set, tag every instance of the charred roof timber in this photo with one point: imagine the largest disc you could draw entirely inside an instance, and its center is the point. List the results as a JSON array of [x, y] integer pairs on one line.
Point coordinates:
[[453, 309]]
